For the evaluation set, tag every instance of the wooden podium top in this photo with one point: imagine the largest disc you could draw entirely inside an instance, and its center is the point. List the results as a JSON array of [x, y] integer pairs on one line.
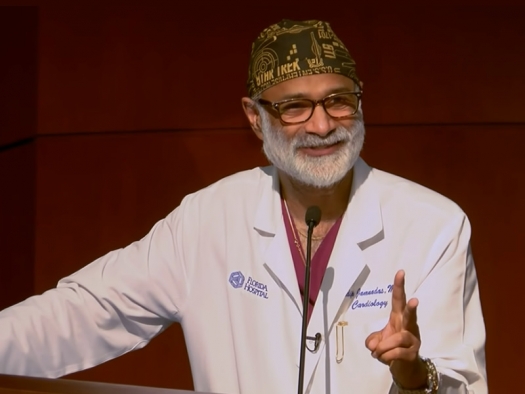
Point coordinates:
[[25, 385]]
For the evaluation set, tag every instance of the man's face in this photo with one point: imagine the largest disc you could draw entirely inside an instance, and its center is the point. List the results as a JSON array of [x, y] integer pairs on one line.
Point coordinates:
[[321, 151]]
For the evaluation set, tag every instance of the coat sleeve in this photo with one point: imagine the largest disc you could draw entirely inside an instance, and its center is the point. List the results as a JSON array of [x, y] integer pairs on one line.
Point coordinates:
[[114, 305], [449, 313]]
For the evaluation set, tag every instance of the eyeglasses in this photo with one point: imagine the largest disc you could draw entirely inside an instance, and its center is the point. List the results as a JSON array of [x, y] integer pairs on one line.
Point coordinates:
[[299, 110]]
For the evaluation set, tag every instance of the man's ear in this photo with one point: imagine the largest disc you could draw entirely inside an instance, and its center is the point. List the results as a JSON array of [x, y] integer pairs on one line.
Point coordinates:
[[251, 112]]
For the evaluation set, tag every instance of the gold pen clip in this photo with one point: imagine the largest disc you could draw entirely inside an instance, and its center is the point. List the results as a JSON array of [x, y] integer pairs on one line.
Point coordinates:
[[340, 341]]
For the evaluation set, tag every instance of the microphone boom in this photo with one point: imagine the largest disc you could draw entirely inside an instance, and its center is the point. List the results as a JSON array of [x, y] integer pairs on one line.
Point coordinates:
[[312, 219]]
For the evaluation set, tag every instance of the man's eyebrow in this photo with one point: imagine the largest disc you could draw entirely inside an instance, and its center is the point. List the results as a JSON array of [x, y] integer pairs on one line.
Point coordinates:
[[341, 89], [294, 95]]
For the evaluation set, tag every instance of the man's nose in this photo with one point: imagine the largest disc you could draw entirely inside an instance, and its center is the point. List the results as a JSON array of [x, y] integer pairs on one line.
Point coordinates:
[[320, 122]]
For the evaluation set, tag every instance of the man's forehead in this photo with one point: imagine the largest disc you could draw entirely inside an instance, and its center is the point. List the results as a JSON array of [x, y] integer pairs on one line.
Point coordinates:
[[313, 86]]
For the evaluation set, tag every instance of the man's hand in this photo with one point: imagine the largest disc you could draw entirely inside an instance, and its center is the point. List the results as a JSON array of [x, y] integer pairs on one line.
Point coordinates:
[[397, 345]]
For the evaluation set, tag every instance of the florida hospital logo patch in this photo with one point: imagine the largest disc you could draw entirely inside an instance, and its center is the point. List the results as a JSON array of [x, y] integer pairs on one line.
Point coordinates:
[[236, 279]]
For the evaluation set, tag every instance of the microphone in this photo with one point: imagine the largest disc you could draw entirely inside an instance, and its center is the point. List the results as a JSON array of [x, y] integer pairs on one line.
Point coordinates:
[[312, 219]]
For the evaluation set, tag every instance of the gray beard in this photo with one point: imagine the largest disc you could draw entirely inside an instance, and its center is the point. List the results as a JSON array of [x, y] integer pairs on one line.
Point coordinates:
[[316, 171]]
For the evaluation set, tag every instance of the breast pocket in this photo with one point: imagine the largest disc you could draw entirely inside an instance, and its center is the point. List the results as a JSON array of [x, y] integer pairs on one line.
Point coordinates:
[[366, 311]]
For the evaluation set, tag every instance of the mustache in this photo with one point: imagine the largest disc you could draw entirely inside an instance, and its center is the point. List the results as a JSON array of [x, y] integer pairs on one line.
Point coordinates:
[[339, 135]]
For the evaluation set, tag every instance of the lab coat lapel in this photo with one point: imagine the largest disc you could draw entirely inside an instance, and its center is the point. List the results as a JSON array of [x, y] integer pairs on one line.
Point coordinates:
[[278, 259], [273, 241]]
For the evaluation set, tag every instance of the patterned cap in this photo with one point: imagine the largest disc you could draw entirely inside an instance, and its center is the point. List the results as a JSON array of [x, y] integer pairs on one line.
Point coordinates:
[[291, 49]]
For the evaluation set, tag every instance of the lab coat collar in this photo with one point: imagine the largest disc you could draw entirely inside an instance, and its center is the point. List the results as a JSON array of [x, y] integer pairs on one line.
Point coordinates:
[[268, 217], [363, 213], [274, 246]]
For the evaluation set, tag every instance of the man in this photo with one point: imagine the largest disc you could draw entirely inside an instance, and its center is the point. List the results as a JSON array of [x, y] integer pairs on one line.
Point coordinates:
[[236, 286]]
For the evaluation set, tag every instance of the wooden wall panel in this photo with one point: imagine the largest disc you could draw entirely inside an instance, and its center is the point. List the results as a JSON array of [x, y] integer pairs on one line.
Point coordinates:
[[448, 64], [136, 68], [17, 217], [18, 73], [18, 119]]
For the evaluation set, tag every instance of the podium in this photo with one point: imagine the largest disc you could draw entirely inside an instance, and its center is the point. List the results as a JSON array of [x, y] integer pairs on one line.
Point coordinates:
[[10, 384]]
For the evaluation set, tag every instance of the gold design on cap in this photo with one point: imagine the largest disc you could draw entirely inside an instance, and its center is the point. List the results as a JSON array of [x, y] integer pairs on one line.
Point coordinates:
[[293, 51], [329, 51], [264, 65], [317, 50]]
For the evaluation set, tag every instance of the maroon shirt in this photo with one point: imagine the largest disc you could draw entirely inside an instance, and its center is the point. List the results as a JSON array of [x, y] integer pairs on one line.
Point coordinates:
[[319, 259]]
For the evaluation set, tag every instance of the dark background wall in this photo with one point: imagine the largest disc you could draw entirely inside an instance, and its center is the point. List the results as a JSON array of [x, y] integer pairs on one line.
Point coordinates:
[[110, 115]]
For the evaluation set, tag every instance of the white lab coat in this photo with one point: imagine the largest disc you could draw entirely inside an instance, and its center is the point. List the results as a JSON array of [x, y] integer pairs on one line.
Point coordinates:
[[220, 264]]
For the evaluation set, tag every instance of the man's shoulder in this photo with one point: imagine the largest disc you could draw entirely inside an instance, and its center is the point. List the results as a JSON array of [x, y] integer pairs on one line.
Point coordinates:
[[412, 196], [245, 185]]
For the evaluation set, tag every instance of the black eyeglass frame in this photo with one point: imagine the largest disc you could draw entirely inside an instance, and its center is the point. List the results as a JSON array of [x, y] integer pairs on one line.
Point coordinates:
[[276, 105]]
